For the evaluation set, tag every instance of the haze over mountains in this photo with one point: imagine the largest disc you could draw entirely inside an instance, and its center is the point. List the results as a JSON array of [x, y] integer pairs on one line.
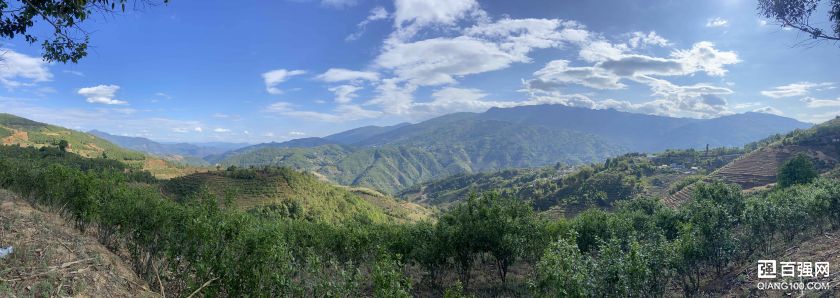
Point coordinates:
[[192, 153]]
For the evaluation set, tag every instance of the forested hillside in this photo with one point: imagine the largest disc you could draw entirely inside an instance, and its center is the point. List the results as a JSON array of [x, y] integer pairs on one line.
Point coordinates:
[[395, 157], [569, 190]]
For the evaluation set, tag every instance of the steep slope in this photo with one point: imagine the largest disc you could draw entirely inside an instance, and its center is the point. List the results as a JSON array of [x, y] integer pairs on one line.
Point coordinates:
[[52, 259], [26, 132], [760, 167], [289, 193], [184, 152]]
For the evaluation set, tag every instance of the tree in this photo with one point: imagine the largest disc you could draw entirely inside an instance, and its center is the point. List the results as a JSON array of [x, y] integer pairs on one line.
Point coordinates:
[[62, 145], [797, 14], [797, 170], [563, 271], [501, 226], [69, 41]]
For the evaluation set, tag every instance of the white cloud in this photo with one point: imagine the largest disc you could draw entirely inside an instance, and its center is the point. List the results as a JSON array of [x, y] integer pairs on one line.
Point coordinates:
[[333, 75], [769, 110], [17, 70], [221, 130], [439, 60], [745, 105], [820, 117], [820, 103], [704, 57], [483, 47], [186, 129], [795, 89], [103, 94], [377, 13], [641, 40], [600, 50], [762, 22], [717, 22], [450, 99], [73, 72], [277, 76], [698, 100], [344, 93], [226, 116], [297, 133], [425, 12], [342, 113], [558, 73], [339, 4], [519, 36], [613, 65], [164, 95], [393, 98]]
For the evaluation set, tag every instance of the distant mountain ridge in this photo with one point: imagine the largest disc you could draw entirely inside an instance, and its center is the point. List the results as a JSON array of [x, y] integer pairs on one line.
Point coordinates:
[[193, 154], [391, 158]]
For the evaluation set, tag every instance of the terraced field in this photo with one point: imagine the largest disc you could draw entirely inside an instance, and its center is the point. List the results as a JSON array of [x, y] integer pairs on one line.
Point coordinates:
[[758, 168]]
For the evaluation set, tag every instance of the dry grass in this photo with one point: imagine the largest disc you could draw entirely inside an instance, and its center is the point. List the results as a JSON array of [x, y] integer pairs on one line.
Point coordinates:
[[52, 259], [741, 280]]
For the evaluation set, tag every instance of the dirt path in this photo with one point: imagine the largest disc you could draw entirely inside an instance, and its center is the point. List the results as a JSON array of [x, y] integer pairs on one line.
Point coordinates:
[[52, 259]]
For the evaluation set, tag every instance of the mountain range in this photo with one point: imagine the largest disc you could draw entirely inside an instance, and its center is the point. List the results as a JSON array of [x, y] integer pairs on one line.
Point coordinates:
[[394, 157]]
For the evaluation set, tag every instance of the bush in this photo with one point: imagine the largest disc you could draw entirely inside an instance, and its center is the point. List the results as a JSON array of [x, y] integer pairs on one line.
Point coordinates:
[[797, 170], [563, 271]]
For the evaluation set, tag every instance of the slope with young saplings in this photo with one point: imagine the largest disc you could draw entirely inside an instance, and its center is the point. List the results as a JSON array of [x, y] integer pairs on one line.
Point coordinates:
[[294, 194], [760, 167], [52, 259]]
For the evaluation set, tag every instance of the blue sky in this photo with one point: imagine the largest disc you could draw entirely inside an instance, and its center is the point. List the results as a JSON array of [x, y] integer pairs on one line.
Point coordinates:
[[276, 70]]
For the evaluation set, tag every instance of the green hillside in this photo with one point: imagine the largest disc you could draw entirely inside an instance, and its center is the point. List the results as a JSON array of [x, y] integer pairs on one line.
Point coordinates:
[[16, 130], [569, 190], [25, 132], [292, 194], [433, 150]]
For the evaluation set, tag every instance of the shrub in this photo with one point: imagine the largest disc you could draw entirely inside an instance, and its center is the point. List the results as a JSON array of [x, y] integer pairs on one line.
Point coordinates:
[[797, 170]]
